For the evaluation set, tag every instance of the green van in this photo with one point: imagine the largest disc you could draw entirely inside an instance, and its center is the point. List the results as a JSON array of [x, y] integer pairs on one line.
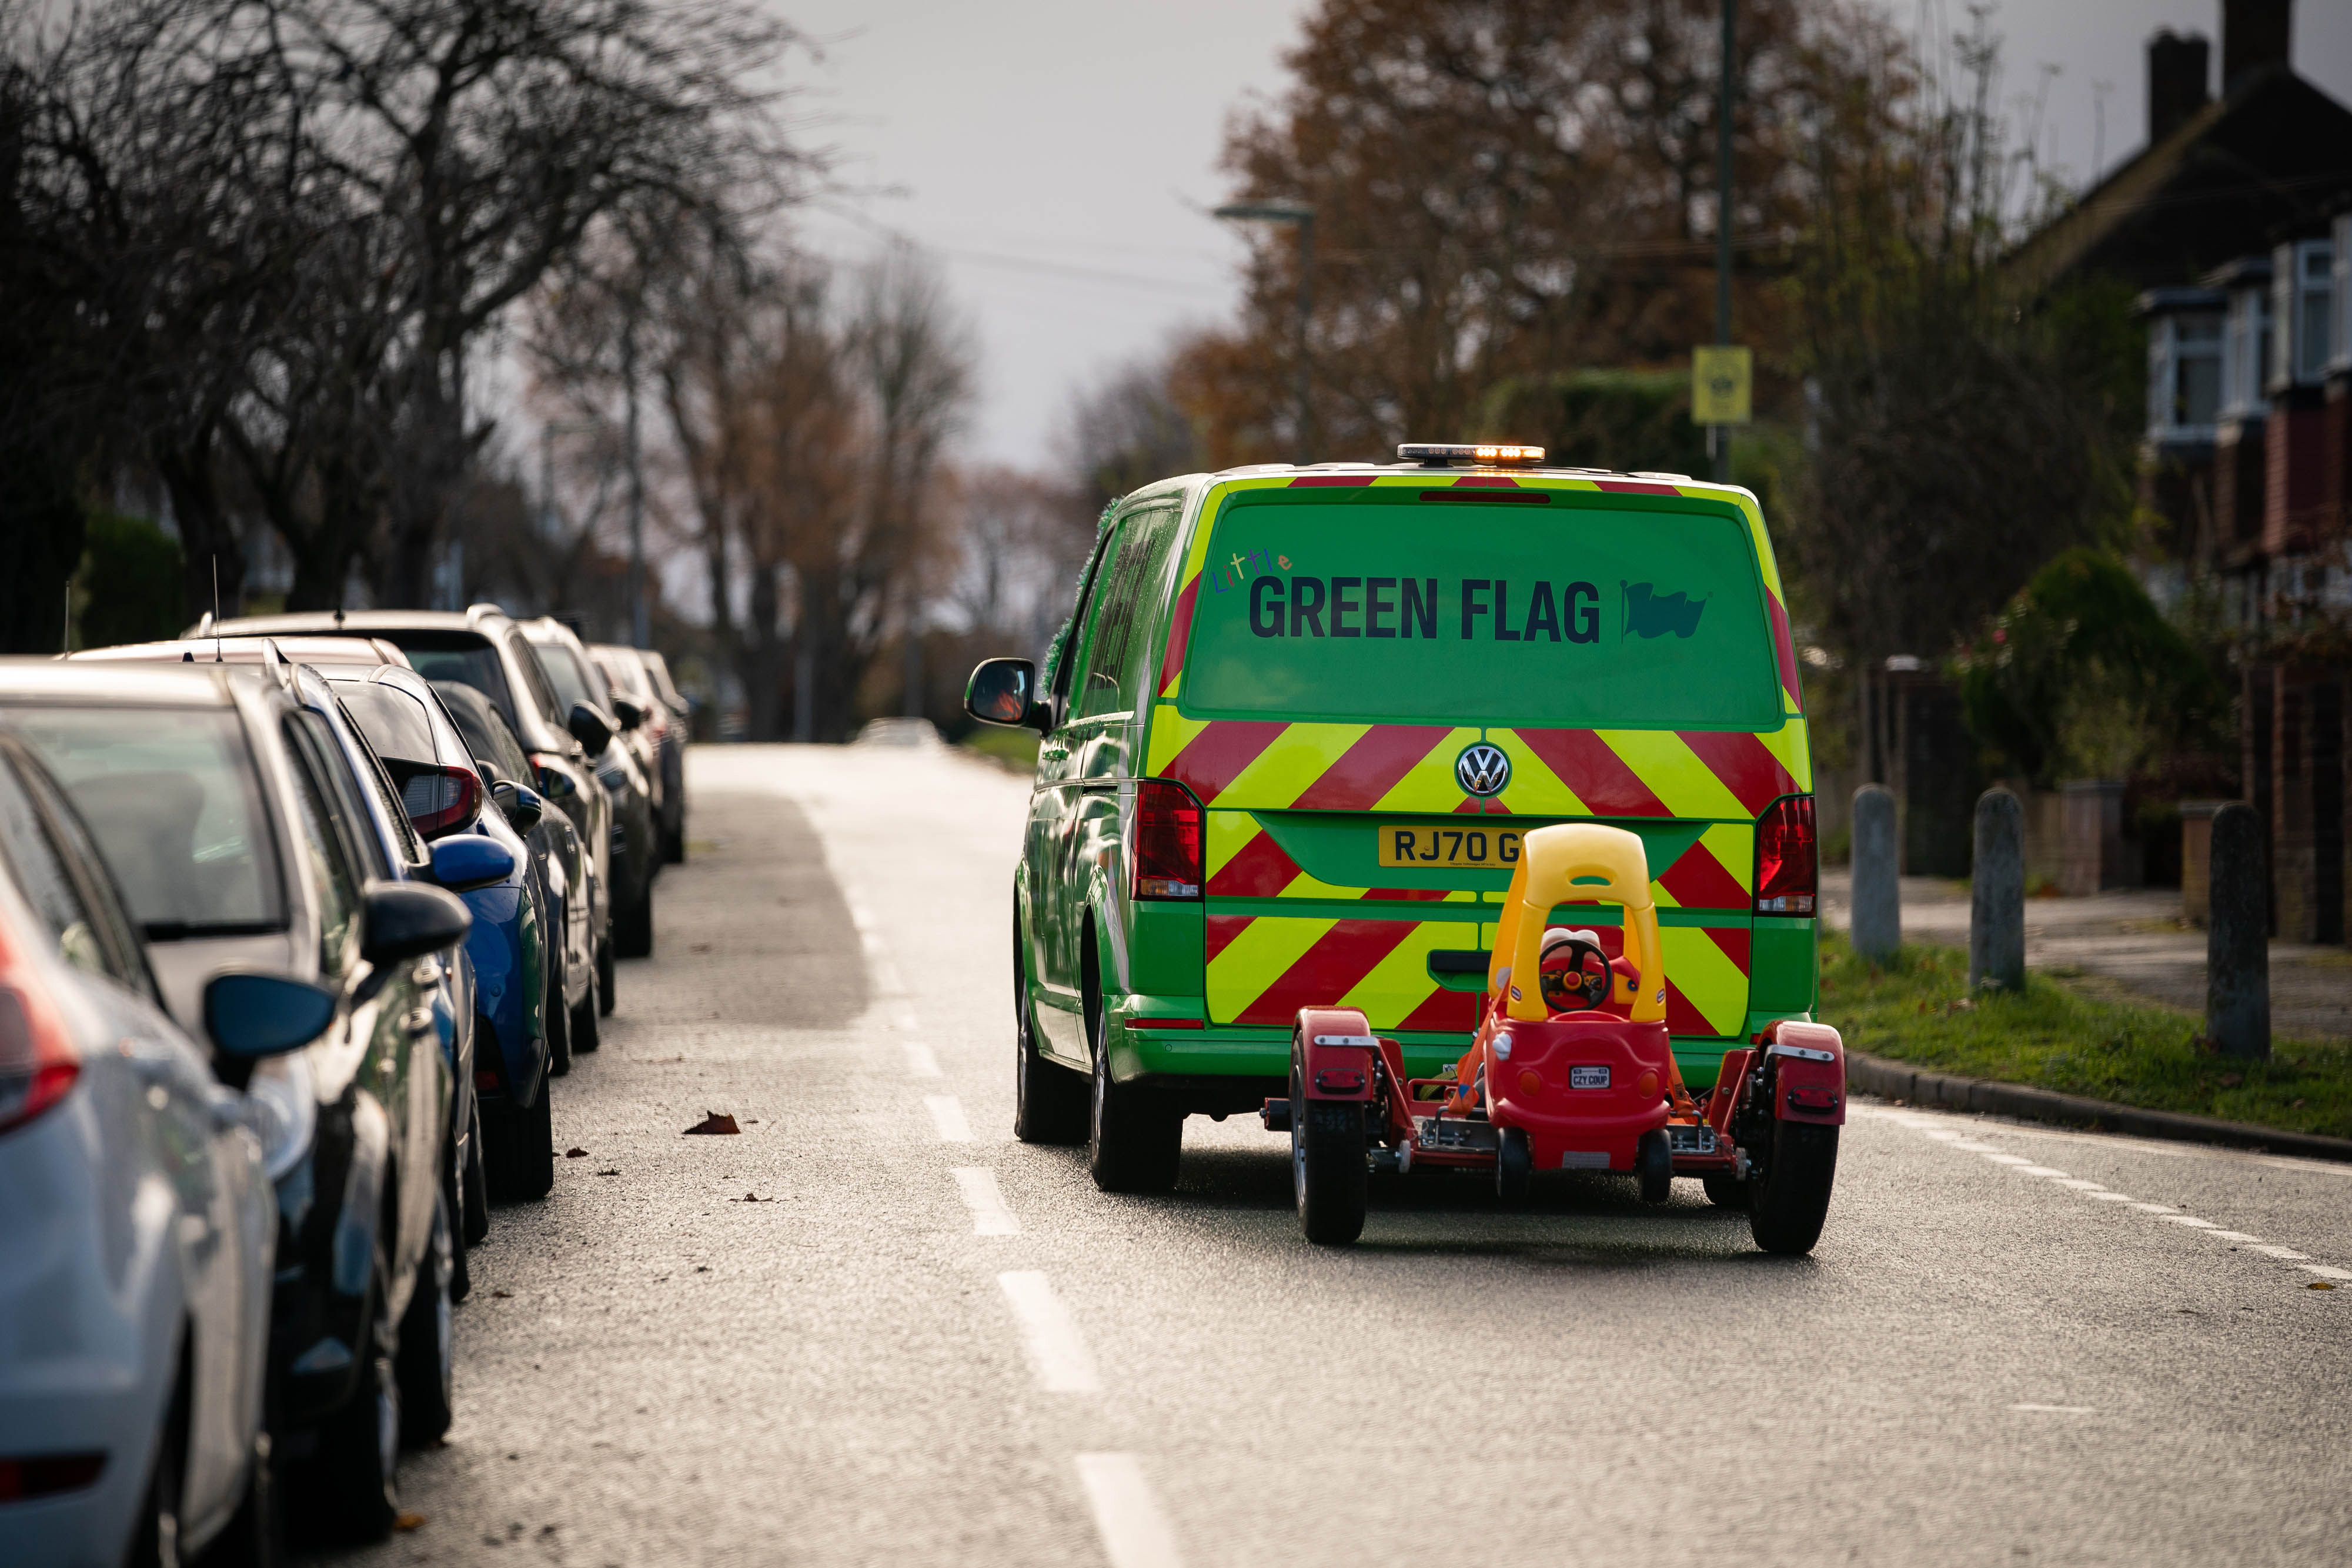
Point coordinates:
[[1293, 732]]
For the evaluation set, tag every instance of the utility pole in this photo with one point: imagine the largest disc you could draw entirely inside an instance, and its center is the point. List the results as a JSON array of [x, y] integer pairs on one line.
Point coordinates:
[[1719, 435], [1303, 218]]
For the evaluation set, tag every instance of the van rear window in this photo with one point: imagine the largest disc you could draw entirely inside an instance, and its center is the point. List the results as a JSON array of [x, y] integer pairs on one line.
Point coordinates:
[[1559, 615]]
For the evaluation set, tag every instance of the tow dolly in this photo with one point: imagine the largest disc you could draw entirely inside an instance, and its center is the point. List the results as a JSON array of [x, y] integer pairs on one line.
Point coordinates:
[[1590, 1086]]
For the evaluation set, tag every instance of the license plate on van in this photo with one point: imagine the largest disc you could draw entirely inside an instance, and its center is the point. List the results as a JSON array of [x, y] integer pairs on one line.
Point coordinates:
[[1405, 844]]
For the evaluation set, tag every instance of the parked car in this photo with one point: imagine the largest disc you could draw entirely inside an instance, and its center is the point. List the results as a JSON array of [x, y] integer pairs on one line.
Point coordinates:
[[556, 849], [457, 1004], [514, 944], [565, 660], [235, 826], [630, 673], [138, 1229], [483, 648]]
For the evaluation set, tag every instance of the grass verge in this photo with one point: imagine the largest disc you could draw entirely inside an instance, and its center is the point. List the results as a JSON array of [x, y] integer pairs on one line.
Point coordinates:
[[1015, 749], [1917, 1010]]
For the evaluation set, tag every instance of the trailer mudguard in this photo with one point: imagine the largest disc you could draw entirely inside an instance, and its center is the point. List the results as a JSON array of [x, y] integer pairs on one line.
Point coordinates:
[[1808, 1076], [1337, 1049]]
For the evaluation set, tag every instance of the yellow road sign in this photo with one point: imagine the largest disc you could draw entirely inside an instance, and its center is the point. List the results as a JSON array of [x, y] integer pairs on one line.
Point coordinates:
[[1722, 381]]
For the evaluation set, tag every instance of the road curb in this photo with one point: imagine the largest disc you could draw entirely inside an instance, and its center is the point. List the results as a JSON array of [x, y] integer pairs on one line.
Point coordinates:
[[1898, 1080]]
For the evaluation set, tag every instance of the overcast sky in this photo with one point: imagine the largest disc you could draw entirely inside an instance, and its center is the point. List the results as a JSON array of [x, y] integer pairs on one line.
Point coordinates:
[[1059, 156]]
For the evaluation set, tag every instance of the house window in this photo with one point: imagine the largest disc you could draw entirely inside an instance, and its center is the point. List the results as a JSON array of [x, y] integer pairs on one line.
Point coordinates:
[[2184, 376], [2246, 353], [2303, 282], [2340, 311]]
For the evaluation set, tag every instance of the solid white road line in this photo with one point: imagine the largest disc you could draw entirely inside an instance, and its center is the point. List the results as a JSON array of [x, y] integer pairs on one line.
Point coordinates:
[[2058, 1409], [947, 1116], [920, 1062], [1057, 1352], [1135, 1533], [989, 1215]]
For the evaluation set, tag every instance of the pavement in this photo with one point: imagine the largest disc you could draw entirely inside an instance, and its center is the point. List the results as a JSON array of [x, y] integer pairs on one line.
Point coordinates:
[[2127, 945], [873, 1329]]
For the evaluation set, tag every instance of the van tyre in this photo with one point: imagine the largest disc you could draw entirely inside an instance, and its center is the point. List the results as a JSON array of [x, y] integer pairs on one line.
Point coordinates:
[[1329, 1177], [425, 1363], [1049, 1101], [1790, 1197], [1134, 1144], [348, 1486]]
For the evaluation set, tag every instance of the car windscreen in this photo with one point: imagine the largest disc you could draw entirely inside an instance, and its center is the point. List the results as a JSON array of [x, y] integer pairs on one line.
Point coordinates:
[[572, 683], [460, 656], [1413, 611], [171, 797]]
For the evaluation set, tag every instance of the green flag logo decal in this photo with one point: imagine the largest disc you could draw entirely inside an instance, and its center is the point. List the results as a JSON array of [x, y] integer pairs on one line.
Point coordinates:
[[1646, 612]]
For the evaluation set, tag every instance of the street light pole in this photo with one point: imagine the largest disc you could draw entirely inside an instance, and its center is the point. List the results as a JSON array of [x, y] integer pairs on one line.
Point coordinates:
[[1303, 218], [1721, 433]]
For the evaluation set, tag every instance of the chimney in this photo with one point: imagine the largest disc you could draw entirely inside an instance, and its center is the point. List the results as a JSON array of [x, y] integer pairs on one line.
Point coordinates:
[[2254, 33], [2176, 74]]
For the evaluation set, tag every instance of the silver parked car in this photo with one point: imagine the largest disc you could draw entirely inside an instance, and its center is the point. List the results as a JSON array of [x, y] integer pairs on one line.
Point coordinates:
[[137, 1225]]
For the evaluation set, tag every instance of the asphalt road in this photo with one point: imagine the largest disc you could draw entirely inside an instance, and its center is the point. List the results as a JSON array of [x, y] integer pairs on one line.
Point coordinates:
[[925, 1342]]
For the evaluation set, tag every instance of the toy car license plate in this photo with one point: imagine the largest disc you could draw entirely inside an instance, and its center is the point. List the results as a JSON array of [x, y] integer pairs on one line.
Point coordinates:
[[1588, 1078], [1410, 844]]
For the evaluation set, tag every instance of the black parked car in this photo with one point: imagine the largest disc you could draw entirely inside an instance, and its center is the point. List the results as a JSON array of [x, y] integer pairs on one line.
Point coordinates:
[[636, 856]]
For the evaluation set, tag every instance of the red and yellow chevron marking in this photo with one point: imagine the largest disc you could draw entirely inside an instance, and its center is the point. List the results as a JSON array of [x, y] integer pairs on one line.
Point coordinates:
[[1196, 553], [1264, 968], [1269, 766], [1245, 862]]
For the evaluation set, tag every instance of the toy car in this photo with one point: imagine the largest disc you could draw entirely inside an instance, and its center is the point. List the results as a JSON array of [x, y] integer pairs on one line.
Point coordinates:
[[1569, 1069]]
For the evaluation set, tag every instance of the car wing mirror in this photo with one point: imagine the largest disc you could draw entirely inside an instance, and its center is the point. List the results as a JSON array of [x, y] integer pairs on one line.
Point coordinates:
[[630, 713], [521, 806], [408, 920], [592, 728], [1004, 691], [464, 861], [253, 1016]]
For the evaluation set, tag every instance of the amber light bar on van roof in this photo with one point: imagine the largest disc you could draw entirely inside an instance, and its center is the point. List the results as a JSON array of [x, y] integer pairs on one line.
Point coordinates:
[[1445, 453]]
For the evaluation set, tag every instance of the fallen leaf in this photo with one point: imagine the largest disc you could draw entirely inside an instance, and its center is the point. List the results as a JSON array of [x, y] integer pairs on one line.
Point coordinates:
[[614, 1172], [702, 1268], [2319, 1285], [715, 1121], [750, 1121], [503, 1295], [575, 1153], [408, 1522]]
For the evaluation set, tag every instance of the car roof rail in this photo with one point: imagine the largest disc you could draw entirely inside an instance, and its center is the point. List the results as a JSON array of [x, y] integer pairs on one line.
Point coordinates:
[[481, 608]]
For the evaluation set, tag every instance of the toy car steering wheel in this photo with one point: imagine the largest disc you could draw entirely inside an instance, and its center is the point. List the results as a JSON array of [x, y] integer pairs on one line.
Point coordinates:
[[1580, 983]]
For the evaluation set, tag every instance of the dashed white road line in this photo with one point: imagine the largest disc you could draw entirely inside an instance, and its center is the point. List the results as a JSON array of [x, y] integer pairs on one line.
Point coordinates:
[[1134, 1532], [947, 1116], [2170, 1213], [920, 1062], [1057, 1352], [2059, 1409], [989, 1215]]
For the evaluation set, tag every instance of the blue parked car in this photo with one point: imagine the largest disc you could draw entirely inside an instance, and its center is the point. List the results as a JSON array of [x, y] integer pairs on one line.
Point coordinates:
[[521, 1018]]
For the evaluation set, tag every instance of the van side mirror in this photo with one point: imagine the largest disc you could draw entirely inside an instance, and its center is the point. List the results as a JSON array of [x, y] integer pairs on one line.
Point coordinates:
[[1004, 691], [590, 729], [252, 1016], [521, 806], [407, 920]]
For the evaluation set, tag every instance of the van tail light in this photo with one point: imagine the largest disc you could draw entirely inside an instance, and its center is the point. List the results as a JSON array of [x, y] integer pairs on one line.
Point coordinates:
[[1788, 868], [39, 1062], [441, 799], [1163, 851]]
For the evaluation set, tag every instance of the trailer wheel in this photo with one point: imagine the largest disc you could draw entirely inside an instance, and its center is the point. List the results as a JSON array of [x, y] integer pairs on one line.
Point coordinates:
[[1789, 1200], [1327, 1161], [1514, 1167], [1654, 1162]]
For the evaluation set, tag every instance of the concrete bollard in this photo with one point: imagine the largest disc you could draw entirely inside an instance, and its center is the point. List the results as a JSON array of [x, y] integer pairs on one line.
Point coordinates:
[[1877, 896], [2237, 937], [1997, 896]]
